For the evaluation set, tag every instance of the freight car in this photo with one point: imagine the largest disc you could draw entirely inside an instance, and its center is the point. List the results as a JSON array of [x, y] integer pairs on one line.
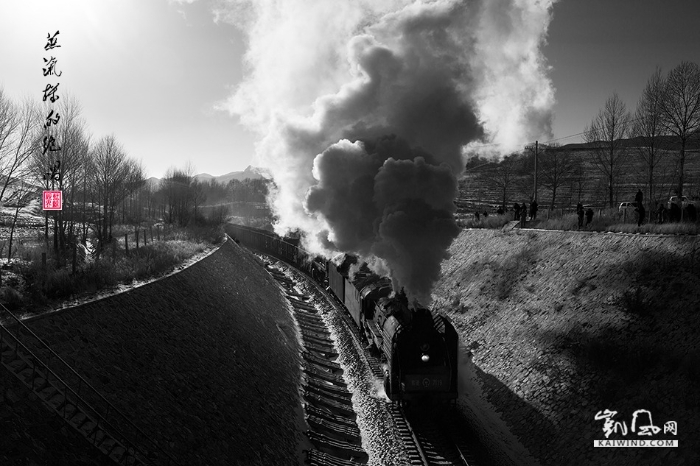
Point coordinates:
[[419, 347]]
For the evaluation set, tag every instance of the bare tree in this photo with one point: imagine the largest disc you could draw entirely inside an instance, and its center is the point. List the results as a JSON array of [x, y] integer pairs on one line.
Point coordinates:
[[648, 125], [17, 140], [555, 168], [114, 177], [501, 175], [176, 186], [578, 180], [605, 134], [72, 142], [21, 197], [680, 108], [198, 197], [75, 144]]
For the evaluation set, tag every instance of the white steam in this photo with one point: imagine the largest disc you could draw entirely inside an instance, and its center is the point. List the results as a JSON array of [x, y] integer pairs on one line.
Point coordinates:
[[364, 109]]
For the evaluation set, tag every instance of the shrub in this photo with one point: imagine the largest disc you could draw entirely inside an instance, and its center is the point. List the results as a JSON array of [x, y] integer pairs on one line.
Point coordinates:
[[11, 298], [492, 221], [567, 222], [95, 276], [634, 302], [654, 228], [44, 283], [613, 221], [58, 284]]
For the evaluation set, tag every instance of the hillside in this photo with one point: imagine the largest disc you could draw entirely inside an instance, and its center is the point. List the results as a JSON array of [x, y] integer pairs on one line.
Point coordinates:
[[187, 357], [590, 186], [564, 325]]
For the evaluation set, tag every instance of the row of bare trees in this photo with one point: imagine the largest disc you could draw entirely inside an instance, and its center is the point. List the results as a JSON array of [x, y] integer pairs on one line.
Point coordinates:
[[102, 186], [95, 177], [666, 121], [512, 177], [669, 106]]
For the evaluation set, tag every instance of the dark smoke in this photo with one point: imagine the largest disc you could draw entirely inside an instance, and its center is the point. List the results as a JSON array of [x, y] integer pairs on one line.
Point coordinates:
[[386, 200], [365, 109]]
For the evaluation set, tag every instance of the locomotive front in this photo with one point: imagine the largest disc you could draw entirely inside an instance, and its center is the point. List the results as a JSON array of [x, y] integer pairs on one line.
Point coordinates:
[[421, 351]]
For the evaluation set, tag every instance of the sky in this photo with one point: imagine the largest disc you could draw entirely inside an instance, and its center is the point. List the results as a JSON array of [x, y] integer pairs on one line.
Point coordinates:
[[158, 73]]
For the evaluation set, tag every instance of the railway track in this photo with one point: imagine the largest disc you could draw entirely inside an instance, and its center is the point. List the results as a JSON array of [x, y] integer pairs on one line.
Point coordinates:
[[437, 433], [430, 436], [327, 402]]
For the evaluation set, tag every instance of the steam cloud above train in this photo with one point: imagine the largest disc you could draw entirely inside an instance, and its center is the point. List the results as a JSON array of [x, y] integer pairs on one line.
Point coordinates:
[[365, 109]]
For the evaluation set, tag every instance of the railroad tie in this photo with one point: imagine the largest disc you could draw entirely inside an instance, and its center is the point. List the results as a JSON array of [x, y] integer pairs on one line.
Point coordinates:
[[336, 446], [323, 374], [319, 458], [325, 363], [326, 402]]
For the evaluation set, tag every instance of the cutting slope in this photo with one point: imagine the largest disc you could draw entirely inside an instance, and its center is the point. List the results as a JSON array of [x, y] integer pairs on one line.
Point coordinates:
[[205, 361], [563, 325]]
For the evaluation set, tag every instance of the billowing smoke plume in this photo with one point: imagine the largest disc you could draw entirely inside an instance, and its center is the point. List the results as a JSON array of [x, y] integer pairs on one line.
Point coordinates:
[[365, 107]]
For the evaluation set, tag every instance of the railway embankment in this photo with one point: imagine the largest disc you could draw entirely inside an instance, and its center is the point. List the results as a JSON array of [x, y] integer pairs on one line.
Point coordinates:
[[564, 325], [205, 361]]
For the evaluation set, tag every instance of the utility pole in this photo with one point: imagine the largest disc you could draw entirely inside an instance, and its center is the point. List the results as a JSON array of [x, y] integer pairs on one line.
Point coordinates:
[[534, 197]]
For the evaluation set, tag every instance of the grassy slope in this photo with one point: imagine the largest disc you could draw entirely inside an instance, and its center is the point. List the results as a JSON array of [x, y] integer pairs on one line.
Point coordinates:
[[564, 325], [189, 357]]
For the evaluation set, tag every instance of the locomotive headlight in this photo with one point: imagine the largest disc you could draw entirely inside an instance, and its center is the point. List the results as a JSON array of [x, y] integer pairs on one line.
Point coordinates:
[[424, 348]]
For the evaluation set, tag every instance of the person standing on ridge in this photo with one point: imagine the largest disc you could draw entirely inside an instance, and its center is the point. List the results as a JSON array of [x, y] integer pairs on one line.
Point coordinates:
[[640, 214], [579, 212]]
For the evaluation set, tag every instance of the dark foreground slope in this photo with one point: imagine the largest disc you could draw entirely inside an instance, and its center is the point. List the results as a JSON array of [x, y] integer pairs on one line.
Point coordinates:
[[563, 325], [205, 361]]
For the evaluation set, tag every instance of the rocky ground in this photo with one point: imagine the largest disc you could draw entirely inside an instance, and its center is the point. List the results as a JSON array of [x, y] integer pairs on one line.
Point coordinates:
[[563, 325], [204, 361]]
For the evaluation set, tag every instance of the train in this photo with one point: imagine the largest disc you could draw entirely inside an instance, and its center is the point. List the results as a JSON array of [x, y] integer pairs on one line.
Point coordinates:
[[418, 347]]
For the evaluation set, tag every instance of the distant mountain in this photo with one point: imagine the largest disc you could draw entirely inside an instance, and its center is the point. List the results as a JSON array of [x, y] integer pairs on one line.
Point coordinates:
[[249, 172], [153, 182]]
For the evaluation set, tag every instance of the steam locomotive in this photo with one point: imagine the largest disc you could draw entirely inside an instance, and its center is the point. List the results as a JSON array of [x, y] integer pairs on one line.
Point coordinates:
[[419, 347]]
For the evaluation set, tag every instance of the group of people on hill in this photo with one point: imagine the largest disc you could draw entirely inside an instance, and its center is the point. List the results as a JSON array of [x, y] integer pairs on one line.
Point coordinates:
[[520, 211]]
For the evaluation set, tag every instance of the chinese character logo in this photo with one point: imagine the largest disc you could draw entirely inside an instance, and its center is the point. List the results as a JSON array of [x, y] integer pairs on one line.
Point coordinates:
[[671, 428], [53, 200]]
